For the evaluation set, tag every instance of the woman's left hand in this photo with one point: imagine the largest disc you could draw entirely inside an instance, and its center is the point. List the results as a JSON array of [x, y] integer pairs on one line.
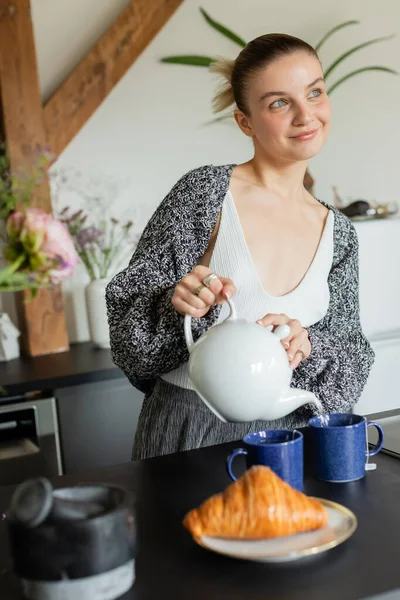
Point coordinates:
[[297, 344]]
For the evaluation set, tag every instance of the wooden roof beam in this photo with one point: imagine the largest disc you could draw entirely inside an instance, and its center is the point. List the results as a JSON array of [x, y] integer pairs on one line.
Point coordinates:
[[103, 66]]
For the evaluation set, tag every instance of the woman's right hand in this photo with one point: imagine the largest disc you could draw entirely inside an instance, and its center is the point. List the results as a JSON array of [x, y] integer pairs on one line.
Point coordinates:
[[197, 305]]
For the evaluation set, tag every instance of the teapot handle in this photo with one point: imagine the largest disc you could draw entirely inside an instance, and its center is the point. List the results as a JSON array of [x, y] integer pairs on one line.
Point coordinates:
[[187, 325]]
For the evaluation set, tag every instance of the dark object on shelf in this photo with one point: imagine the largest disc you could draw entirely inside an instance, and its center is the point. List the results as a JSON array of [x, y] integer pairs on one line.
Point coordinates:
[[356, 208], [72, 542], [378, 211], [361, 210]]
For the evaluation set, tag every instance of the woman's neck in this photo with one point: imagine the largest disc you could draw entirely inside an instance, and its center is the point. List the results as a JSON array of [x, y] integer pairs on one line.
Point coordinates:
[[285, 181]]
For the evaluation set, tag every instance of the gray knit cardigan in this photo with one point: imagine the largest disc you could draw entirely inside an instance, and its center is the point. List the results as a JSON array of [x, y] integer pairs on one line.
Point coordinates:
[[146, 331]]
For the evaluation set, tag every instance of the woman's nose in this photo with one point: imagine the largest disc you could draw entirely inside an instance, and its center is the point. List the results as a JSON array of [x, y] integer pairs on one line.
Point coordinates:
[[303, 116]]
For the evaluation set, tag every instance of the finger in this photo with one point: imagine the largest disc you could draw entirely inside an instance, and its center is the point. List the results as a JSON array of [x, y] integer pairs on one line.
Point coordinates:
[[191, 282], [274, 320], [215, 285], [201, 272], [296, 361], [295, 329], [198, 274], [298, 358], [229, 288], [227, 291], [184, 308], [204, 298], [296, 344]]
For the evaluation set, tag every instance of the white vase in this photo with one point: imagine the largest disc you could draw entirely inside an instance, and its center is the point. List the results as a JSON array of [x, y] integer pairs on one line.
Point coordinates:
[[97, 314]]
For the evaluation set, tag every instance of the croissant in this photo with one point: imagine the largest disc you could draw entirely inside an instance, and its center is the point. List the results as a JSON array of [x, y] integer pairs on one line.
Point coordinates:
[[258, 505]]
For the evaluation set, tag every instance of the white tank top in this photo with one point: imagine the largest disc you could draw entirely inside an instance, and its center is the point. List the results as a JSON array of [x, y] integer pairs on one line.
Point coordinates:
[[231, 257]]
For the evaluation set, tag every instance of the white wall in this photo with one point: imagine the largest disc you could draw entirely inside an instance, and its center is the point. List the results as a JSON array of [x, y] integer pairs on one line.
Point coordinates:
[[151, 129], [65, 31], [154, 117]]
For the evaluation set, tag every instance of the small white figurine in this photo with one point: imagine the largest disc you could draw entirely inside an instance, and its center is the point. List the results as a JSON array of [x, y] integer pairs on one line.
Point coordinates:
[[9, 346]]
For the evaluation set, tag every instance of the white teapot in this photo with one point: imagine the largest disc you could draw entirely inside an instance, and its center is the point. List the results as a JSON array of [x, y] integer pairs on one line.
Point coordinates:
[[241, 371]]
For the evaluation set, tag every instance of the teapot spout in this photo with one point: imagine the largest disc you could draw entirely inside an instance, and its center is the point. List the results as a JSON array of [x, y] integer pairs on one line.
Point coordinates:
[[294, 398]]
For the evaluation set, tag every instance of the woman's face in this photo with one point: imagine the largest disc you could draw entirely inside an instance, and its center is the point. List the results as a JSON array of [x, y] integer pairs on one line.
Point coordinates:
[[289, 110]]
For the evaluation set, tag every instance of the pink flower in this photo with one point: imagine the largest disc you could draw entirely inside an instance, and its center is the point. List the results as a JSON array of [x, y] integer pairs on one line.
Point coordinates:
[[45, 241]]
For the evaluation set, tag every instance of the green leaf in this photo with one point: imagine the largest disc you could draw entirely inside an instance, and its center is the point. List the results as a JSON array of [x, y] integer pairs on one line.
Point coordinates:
[[14, 282], [334, 30], [219, 119], [352, 51], [17, 278], [221, 29], [196, 61], [357, 72]]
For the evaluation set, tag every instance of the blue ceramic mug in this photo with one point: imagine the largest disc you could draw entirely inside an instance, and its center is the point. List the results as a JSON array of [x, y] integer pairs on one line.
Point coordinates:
[[340, 446], [279, 449]]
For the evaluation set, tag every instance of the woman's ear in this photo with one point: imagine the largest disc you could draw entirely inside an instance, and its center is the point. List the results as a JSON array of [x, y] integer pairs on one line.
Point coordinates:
[[243, 121]]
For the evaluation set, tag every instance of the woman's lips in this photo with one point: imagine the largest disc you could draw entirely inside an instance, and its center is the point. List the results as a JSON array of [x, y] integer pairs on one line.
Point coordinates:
[[306, 135]]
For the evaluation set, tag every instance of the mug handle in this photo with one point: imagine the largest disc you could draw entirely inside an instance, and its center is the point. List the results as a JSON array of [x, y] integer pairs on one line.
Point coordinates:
[[230, 459], [380, 439]]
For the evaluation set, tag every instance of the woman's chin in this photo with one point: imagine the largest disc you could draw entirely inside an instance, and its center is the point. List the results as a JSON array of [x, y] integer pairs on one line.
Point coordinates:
[[307, 151]]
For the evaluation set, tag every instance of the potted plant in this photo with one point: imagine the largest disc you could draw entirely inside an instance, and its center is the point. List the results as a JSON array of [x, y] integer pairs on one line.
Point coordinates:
[[102, 247], [38, 250]]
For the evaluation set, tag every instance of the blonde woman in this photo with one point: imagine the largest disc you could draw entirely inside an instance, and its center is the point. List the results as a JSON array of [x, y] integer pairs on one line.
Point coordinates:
[[251, 230]]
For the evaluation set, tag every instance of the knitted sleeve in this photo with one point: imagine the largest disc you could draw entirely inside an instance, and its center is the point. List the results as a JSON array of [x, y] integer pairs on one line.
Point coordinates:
[[341, 356], [146, 332]]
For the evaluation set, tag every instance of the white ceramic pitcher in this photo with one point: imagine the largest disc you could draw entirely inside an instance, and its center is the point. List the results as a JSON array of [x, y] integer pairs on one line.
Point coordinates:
[[241, 371]]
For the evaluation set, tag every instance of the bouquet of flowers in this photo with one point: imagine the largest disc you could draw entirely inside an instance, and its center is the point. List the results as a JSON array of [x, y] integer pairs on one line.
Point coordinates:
[[38, 249]]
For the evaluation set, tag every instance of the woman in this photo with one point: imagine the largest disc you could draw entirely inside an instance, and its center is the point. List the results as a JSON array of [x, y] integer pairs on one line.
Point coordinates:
[[251, 230]]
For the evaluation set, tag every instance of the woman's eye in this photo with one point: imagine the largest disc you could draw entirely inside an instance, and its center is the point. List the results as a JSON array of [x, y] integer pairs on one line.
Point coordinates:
[[278, 104], [315, 93]]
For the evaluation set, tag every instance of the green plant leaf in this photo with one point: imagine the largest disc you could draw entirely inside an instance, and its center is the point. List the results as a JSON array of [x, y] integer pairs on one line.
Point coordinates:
[[196, 61], [334, 30], [357, 72], [219, 119], [353, 50], [221, 29]]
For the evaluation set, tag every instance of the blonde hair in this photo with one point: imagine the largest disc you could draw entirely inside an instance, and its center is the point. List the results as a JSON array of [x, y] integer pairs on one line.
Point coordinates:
[[256, 55], [224, 96]]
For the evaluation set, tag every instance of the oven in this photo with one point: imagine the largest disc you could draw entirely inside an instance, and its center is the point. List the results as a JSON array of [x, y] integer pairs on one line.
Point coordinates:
[[29, 439]]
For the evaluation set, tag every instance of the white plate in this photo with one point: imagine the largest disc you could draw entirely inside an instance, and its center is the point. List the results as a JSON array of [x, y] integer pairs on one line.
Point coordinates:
[[342, 523]]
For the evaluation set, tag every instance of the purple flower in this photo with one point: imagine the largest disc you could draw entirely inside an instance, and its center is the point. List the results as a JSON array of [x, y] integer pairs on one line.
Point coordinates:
[[89, 235]]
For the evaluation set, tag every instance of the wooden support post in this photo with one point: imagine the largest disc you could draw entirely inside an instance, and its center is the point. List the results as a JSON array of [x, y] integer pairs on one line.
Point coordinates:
[[42, 320]]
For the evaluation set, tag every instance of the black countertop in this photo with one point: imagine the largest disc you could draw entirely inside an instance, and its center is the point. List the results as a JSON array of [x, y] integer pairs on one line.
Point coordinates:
[[170, 565], [83, 363]]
